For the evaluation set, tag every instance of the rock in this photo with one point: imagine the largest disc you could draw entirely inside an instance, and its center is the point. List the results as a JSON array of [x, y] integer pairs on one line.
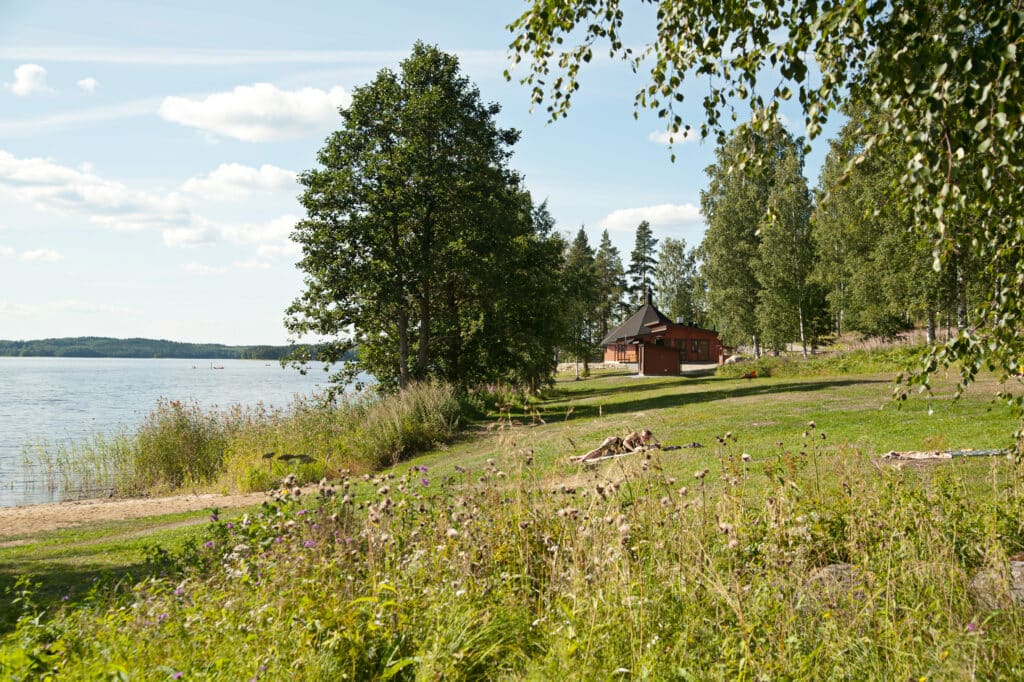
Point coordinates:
[[830, 585], [995, 589]]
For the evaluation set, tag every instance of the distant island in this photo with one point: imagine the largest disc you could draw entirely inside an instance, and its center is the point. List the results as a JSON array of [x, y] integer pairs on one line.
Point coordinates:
[[103, 347]]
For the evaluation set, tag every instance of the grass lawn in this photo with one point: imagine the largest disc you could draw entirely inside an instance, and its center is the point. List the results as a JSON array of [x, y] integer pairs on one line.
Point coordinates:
[[497, 556]]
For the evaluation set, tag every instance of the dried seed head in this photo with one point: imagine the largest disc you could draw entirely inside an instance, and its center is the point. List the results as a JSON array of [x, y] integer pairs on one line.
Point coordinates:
[[745, 456], [452, 533]]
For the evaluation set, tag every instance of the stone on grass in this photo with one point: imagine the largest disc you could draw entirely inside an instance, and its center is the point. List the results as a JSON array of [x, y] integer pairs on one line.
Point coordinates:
[[996, 589]]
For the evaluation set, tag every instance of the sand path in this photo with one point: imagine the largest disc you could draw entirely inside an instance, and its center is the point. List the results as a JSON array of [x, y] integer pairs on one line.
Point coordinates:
[[39, 518]]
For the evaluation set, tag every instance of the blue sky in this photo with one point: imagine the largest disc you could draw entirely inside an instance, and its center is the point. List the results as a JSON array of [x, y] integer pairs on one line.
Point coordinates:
[[148, 153]]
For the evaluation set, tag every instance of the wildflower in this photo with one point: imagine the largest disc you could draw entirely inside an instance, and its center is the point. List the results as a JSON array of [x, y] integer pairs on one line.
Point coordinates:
[[214, 517], [490, 462], [810, 424], [229, 525], [424, 481], [699, 475], [423, 469], [208, 544], [971, 627], [178, 675], [309, 543], [161, 618], [452, 533], [745, 456], [683, 491], [179, 591], [383, 490]]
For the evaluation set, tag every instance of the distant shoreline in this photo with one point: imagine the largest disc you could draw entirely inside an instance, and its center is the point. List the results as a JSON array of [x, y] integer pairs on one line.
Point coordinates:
[[138, 348]]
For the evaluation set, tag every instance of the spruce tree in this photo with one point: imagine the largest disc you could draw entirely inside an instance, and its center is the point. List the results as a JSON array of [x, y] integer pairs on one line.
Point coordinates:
[[641, 264]]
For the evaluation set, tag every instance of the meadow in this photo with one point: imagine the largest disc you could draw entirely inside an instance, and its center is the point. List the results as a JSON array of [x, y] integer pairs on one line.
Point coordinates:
[[780, 548]]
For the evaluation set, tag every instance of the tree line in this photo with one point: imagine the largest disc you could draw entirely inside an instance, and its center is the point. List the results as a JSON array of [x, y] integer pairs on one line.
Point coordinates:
[[104, 347]]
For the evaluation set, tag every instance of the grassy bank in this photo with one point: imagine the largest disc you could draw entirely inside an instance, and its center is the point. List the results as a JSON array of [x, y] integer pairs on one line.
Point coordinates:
[[495, 557], [182, 446]]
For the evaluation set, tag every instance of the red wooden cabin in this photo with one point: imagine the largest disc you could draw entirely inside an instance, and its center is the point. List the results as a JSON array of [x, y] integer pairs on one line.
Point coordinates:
[[658, 345]]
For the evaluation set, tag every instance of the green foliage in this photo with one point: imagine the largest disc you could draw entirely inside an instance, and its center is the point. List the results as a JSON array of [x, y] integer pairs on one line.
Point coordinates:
[[735, 207], [786, 302], [947, 75], [419, 243], [681, 290]]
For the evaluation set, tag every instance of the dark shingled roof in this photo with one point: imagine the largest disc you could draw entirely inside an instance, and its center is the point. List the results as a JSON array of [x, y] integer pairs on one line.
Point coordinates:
[[638, 324]]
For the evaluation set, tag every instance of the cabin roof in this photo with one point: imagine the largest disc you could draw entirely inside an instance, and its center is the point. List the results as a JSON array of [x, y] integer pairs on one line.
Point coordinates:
[[638, 324]]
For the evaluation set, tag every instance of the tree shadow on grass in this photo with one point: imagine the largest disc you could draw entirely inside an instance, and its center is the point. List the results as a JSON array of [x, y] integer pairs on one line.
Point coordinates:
[[54, 584], [645, 402]]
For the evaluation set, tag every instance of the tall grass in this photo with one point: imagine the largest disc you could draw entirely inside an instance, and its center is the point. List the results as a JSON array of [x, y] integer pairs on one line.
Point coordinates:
[[867, 361], [181, 445], [797, 563]]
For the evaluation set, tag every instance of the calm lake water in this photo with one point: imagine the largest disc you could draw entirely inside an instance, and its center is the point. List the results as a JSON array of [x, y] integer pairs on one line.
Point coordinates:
[[61, 400]]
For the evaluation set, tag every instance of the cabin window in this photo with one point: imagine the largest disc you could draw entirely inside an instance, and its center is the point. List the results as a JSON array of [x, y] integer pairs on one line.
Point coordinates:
[[694, 346]]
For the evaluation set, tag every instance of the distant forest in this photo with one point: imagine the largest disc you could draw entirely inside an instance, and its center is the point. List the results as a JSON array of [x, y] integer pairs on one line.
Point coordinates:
[[102, 347]]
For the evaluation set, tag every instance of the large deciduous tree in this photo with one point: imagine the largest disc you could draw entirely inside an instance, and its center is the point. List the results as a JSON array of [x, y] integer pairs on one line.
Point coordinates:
[[787, 300], [733, 207], [419, 246], [680, 290], [948, 75]]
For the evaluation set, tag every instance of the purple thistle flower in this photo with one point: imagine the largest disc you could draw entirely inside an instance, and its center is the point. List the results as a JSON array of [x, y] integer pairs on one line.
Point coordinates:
[[208, 544], [161, 618], [971, 627], [309, 543], [214, 517], [301, 512], [423, 469], [278, 540], [178, 675], [229, 525], [179, 591], [424, 481]]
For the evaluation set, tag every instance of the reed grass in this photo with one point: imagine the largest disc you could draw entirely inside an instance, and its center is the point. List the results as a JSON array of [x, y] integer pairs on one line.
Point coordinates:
[[180, 445]]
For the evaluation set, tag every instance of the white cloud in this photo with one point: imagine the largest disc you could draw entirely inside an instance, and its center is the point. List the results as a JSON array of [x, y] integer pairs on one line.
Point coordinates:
[[89, 308], [6, 252], [661, 215], [42, 256], [29, 79], [274, 231], [107, 203], [235, 181], [15, 309], [202, 269], [252, 265], [53, 187], [88, 84], [666, 137], [259, 112], [289, 249]]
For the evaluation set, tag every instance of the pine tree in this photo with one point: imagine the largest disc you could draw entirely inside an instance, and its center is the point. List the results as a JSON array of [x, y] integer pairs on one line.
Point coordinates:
[[641, 264], [582, 300], [611, 283]]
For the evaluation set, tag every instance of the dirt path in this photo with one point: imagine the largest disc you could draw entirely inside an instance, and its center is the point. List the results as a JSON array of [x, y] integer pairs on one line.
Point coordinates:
[[38, 518]]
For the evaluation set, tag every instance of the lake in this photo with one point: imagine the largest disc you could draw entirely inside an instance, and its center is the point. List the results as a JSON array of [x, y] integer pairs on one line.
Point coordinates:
[[57, 400]]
